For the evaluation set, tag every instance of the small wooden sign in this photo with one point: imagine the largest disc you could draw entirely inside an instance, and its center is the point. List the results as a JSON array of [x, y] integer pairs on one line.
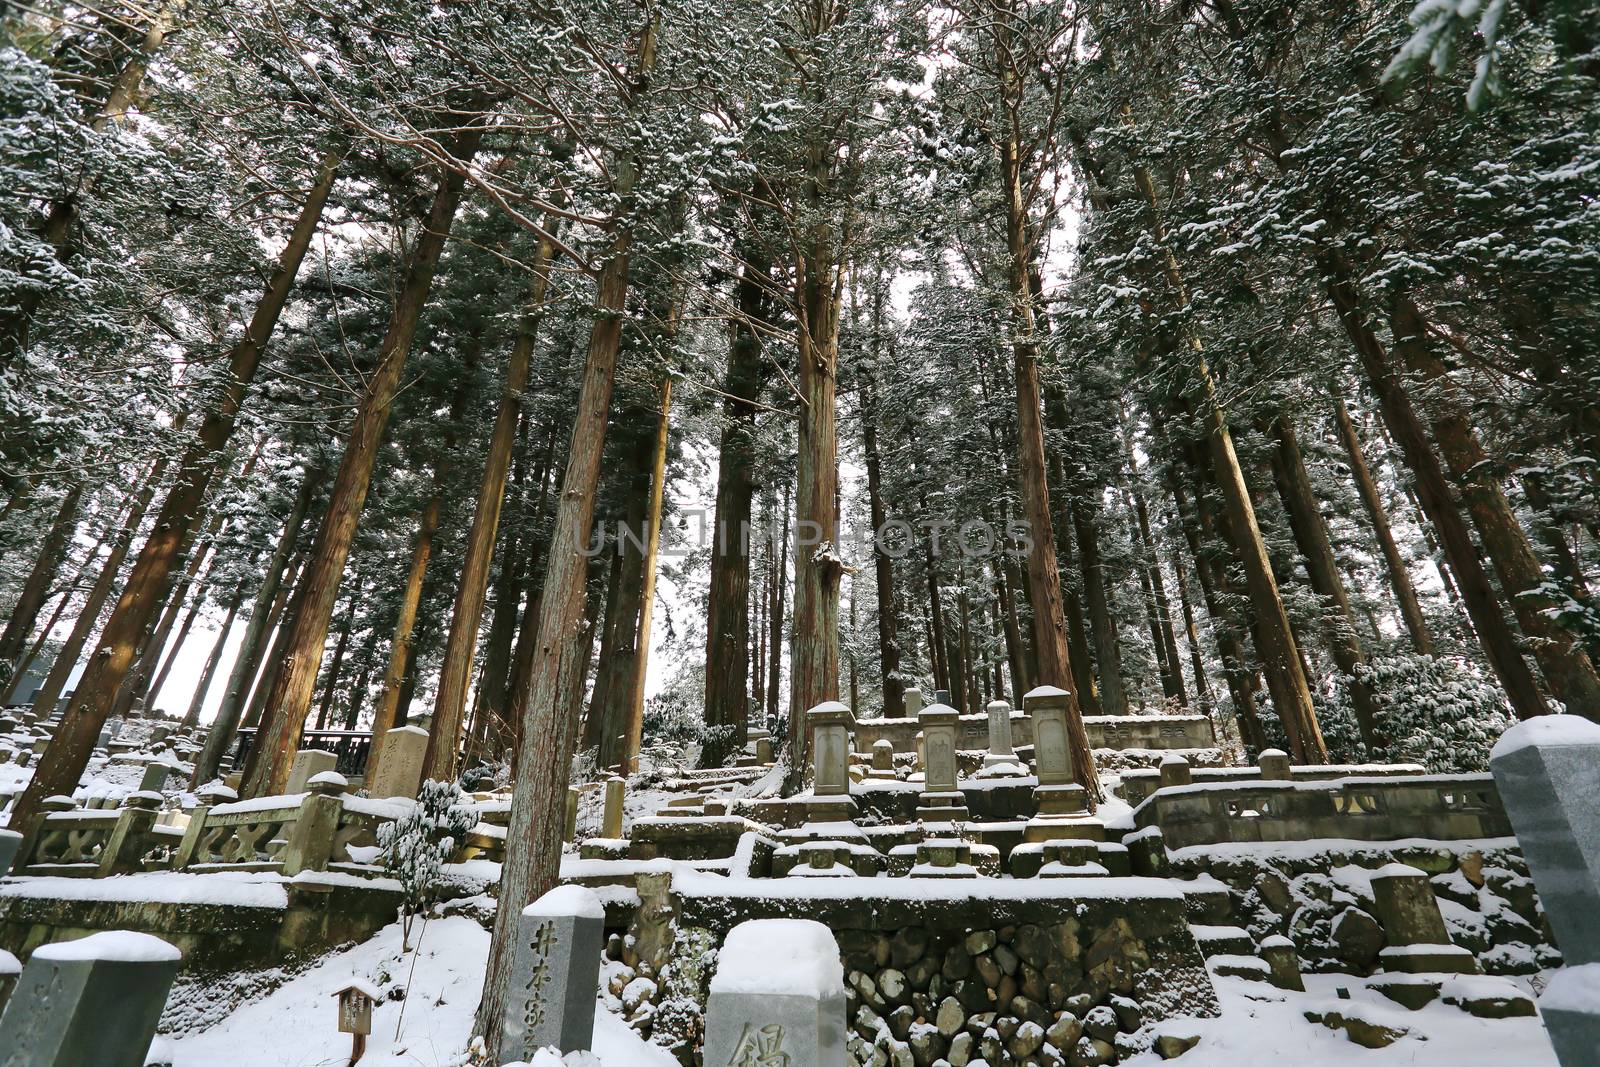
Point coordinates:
[[355, 1017]]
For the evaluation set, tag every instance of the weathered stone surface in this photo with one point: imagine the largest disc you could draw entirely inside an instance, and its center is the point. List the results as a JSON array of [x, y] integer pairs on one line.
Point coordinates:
[[399, 772], [1363, 1032], [95, 1001], [1548, 771], [778, 996], [1570, 1006], [1357, 938], [555, 974], [307, 762]]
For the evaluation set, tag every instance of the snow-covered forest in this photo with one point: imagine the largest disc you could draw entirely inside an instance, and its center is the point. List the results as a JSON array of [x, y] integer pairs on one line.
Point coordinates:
[[591, 383]]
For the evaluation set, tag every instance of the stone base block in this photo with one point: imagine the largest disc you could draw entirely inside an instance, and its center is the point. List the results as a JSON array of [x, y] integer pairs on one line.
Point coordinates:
[[1059, 827], [1060, 800], [1428, 959]]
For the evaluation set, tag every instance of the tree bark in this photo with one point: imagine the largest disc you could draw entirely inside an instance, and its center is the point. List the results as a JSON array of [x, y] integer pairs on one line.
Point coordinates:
[[894, 686], [1433, 490], [36, 587], [455, 673], [633, 722], [1405, 593], [290, 697], [543, 763], [208, 673], [1566, 666], [1316, 551], [69, 752], [1102, 622], [264, 612], [728, 599]]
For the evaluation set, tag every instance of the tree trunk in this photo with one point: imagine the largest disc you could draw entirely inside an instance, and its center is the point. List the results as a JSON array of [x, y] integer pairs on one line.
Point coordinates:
[[633, 720], [290, 697], [197, 700], [609, 702], [1275, 643], [775, 618], [337, 663], [264, 612], [1311, 535], [1053, 661], [1405, 593], [1197, 665], [68, 754], [72, 649], [543, 764], [894, 686], [1433, 491], [728, 599], [1566, 666], [1102, 623], [1162, 633], [455, 673], [36, 587]]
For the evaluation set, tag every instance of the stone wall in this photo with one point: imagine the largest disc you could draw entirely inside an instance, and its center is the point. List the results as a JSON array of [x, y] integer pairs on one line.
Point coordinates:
[[1321, 897], [1024, 973]]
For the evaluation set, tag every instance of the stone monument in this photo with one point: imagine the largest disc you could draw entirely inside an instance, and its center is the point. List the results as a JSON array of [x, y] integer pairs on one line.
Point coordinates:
[[1059, 801], [309, 762], [400, 756], [95, 1001], [1548, 771], [831, 724], [777, 997], [1001, 754], [941, 800], [611, 818], [555, 974]]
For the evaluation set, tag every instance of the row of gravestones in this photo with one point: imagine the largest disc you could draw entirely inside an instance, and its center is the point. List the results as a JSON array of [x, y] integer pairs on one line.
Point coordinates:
[[778, 996]]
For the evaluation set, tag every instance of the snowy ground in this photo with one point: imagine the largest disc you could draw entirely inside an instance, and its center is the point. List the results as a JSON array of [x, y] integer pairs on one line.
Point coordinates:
[[295, 1025]]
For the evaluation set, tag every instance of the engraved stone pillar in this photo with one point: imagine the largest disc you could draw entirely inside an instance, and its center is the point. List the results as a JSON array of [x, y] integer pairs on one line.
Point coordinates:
[[555, 974], [1000, 750], [1275, 767], [941, 799]]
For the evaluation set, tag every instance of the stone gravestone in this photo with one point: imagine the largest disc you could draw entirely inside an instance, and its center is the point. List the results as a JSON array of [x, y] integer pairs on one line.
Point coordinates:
[[95, 1001], [1059, 801], [155, 777], [913, 699], [309, 762], [399, 771], [831, 723], [941, 800], [1275, 766], [777, 997], [1548, 771], [1000, 751], [555, 974]]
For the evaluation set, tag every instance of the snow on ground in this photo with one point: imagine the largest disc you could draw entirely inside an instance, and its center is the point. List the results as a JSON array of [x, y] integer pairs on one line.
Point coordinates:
[[1261, 1025], [296, 1025]]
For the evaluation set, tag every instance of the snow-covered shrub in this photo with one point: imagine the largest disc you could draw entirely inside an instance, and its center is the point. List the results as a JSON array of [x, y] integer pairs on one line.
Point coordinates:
[[416, 845], [1439, 711]]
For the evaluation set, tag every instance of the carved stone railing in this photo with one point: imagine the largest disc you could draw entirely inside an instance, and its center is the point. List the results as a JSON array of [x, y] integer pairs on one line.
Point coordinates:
[[1138, 784], [1436, 807], [319, 830]]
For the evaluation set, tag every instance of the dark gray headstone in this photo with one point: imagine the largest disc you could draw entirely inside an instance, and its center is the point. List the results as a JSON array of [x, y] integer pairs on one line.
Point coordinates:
[[778, 997], [10, 842], [1570, 1006], [1548, 771], [555, 974], [95, 1000]]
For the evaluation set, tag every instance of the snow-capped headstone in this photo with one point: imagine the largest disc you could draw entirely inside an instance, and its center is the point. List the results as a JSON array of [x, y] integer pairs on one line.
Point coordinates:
[[611, 823], [1000, 750], [95, 1000], [777, 997], [941, 800], [913, 698], [1175, 771], [831, 723], [1548, 771], [1570, 1007], [309, 762], [399, 772], [155, 776], [555, 974]]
